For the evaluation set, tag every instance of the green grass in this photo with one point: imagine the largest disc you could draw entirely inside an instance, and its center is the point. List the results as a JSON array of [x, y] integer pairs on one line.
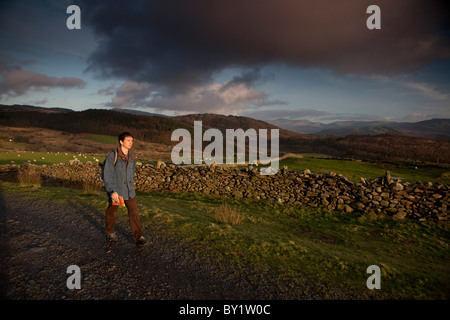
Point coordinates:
[[304, 243], [292, 244], [354, 170], [102, 139], [40, 158]]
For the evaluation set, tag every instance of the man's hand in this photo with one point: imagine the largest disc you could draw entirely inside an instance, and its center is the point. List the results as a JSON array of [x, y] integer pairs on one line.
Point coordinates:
[[115, 197]]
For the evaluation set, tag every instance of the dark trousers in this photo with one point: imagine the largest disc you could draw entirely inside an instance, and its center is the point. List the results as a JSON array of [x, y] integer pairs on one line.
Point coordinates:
[[135, 224]]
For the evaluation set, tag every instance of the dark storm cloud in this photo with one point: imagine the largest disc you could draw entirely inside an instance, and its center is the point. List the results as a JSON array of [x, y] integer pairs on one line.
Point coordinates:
[[179, 44], [248, 78]]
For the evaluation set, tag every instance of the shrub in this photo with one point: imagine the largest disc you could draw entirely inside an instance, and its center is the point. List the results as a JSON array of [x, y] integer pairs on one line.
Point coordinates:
[[229, 215]]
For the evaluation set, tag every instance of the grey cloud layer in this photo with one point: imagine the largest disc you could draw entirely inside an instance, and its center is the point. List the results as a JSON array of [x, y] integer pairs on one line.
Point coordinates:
[[14, 81]]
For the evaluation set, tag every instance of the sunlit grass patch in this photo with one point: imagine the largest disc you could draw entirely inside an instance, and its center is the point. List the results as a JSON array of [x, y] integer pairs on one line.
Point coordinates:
[[47, 158]]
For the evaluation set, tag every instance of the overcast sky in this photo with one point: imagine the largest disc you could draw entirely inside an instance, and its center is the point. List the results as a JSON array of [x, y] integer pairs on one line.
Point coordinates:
[[267, 59]]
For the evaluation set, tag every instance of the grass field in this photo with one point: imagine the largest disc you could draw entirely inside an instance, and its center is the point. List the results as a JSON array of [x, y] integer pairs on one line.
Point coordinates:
[[102, 139], [47, 158], [354, 170], [294, 245]]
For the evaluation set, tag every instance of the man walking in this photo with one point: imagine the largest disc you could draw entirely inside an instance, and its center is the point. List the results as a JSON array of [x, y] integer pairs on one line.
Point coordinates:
[[118, 179]]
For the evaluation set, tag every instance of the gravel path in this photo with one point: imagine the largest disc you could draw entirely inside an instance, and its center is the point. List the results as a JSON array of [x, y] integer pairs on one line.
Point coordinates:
[[40, 239]]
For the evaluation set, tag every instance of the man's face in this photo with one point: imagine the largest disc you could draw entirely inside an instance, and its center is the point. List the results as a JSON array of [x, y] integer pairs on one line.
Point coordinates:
[[127, 142]]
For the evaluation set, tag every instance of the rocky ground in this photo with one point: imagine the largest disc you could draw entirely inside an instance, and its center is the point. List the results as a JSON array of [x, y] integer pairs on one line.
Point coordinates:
[[40, 239]]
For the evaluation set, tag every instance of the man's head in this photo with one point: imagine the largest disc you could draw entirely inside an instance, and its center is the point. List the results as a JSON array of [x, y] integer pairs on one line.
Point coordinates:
[[126, 140]]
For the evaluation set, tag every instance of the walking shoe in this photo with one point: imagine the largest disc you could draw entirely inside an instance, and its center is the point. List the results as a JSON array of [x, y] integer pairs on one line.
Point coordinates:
[[141, 241], [112, 237]]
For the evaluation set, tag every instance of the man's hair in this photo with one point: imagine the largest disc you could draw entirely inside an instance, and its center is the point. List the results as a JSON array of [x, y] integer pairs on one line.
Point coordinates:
[[123, 135]]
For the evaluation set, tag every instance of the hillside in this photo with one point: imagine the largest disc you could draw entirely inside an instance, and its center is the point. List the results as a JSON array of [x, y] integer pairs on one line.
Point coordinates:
[[17, 108], [147, 128], [223, 122], [158, 129]]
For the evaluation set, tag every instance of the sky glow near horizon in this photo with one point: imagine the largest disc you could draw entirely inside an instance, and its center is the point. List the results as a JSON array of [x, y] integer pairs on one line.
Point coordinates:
[[265, 59]]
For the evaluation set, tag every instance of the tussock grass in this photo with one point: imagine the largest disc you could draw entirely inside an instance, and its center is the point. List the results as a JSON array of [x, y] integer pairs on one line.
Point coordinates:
[[29, 178], [228, 214]]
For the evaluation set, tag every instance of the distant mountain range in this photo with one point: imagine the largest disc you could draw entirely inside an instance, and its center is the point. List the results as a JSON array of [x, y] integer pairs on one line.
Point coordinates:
[[434, 128], [141, 113]]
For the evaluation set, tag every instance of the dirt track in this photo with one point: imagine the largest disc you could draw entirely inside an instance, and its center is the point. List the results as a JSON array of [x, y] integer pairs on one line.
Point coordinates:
[[40, 239]]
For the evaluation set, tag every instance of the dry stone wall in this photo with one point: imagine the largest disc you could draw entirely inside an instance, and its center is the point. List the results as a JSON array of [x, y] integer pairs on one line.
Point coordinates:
[[421, 200]]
